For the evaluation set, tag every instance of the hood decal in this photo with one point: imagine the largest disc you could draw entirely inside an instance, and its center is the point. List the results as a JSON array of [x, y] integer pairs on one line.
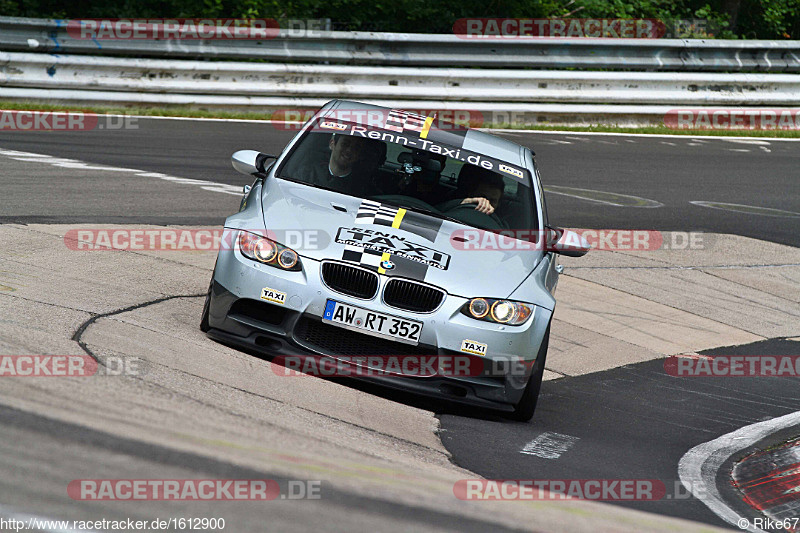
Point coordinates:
[[371, 248], [394, 245], [372, 212], [424, 226]]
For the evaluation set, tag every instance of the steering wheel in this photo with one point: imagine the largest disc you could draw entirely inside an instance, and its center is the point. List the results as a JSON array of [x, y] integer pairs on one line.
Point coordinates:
[[496, 219]]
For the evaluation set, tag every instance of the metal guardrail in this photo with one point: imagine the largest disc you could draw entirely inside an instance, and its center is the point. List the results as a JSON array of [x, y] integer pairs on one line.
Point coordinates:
[[188, 77], [39, 61], [368, 48]]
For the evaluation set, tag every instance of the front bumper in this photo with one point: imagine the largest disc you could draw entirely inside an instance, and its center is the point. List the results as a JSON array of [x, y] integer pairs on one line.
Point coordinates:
[[238, 316]]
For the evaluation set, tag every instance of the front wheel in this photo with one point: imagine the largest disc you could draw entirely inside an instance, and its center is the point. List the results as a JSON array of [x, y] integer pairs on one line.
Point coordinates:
[[524, 409]]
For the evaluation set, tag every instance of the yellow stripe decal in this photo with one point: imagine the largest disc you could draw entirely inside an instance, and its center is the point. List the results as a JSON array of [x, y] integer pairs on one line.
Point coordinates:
[[426, 128], [384, 257], [398, 218]]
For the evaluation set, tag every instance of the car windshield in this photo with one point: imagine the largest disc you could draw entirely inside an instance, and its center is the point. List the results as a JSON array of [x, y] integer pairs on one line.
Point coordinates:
[[387, 167]]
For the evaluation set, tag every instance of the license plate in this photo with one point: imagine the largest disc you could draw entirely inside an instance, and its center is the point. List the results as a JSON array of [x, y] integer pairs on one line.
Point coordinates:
[[372, 323]]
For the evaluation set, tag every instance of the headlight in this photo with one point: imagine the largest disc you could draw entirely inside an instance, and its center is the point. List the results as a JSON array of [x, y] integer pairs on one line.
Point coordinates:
[[268, 252], [265, 250], [287, 258], [478, 308], [498, 311], [502, 311]]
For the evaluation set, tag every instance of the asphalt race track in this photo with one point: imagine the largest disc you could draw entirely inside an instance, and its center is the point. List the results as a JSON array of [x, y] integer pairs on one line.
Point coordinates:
[[629, 421], [673, 171], [636, 419]]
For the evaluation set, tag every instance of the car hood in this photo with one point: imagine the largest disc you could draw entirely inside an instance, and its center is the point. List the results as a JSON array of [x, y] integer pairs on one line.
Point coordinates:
[[322, 224]]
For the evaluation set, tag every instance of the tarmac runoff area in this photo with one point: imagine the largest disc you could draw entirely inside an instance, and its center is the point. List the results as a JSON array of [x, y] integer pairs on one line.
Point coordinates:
[[615, 308], [194, 395]]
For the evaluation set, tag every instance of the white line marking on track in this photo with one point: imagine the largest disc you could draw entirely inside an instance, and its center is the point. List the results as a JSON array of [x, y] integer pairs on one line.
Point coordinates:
[[737, 149], [48, 160], [698, 468], [603, 197], [549, 445], [85, 166], [211, 186], [746, 141], [747, 209], [152, 175], [21, 154]]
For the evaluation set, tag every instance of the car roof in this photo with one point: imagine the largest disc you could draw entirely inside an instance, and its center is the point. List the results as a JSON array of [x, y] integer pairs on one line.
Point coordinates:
[[474, 140]]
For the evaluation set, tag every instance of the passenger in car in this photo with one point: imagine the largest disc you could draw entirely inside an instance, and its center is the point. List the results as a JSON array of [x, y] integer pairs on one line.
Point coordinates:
[[487, 195], [477, 186], [346, 169]]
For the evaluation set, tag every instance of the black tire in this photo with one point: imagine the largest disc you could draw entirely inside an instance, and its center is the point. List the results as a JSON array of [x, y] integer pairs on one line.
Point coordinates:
[[524, 409], [204, 325]]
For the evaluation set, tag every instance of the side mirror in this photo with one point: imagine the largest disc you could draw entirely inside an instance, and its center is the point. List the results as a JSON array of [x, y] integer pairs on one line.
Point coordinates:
[[251, 162], [566, 242]]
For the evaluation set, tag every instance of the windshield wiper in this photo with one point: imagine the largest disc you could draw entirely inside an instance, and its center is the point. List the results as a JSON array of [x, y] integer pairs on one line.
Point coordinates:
[[315, 185], [437, 214]]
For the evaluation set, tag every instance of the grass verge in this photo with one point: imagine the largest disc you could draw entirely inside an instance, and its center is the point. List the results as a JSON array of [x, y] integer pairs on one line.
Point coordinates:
[[266, 115]]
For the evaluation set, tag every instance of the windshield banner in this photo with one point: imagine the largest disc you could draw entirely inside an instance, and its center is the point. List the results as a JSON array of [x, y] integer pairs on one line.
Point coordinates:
[[414, 131]]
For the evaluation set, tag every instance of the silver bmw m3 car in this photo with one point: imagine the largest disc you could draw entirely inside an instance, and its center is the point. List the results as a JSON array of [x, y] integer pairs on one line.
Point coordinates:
[[398, 249]]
